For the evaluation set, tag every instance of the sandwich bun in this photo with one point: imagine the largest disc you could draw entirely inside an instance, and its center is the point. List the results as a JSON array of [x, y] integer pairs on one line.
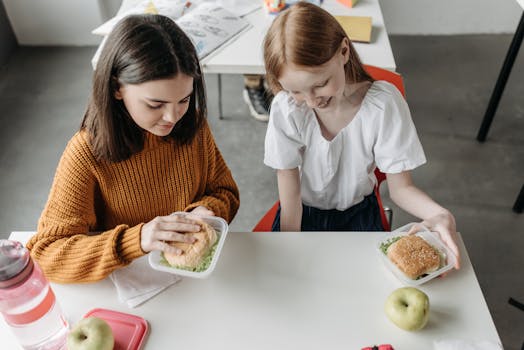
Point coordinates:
[[193, 253], [414, 256]]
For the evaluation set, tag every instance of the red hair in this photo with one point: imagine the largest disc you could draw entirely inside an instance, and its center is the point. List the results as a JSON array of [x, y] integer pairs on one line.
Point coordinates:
[[307, 35]]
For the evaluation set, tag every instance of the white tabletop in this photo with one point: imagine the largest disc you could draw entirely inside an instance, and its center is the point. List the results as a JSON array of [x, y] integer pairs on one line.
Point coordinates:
[[244, 55], [308, 290]]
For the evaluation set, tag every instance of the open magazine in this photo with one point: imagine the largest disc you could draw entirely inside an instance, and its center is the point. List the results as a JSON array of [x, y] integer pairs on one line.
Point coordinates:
[[208, 24]]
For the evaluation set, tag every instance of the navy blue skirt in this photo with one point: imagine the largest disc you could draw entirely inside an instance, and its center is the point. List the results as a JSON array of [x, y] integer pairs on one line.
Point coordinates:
[[364, 216]]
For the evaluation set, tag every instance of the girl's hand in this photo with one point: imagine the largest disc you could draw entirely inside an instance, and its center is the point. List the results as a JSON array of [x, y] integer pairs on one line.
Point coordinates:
[[444, 225], [171, 228], [202, 211]]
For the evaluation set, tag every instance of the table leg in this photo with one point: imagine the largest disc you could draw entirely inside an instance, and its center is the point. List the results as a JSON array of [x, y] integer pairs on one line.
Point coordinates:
[[501, 81], [519, 203], [219, 77], [516, 303]]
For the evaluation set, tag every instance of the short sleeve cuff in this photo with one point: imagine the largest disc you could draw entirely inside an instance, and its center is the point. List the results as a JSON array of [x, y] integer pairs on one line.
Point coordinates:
[[400, 166]]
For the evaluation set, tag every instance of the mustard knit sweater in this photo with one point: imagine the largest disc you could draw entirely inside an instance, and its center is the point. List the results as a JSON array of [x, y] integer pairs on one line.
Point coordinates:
[[116, 199]]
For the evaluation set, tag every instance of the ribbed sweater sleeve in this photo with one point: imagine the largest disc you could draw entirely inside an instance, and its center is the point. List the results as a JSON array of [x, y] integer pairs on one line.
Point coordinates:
[[92, 220], [64, 245]]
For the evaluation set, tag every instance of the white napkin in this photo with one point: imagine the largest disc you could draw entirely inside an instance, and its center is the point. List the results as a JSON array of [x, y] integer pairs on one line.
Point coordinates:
[[465, 344], [138, 282]]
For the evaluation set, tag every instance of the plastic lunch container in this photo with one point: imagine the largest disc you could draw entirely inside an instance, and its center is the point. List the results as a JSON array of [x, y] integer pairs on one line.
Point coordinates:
[[157, 262], [130, 331], [430, 237]]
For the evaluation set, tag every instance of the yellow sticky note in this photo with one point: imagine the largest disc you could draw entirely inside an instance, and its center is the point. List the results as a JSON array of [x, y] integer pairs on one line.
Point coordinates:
[[151, 9], [358, 28]]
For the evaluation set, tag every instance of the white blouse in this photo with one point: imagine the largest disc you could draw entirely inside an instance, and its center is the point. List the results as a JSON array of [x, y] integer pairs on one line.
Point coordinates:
[[337, 174]]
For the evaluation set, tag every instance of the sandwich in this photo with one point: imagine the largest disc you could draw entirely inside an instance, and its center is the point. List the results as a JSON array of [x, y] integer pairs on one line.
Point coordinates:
[[195, 254], [414, 256]]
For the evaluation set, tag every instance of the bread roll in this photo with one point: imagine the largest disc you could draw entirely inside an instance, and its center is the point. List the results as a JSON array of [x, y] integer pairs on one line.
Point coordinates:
[[414, 256], [193, 253]]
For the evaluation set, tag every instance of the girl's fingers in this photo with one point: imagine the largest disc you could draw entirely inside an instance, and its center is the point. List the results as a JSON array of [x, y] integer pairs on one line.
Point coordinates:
[[417, 228], [453, 246], [446, 236], [185, 218], [178, 227], [413, 230], [171, 236], [166, 248]]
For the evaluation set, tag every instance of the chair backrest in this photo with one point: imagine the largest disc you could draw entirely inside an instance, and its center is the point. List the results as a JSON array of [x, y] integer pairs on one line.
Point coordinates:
[[387, 75], [266, 222], [395, 79], [381, 177]]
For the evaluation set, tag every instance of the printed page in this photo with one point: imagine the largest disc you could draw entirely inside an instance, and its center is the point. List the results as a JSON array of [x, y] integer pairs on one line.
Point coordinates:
[[209, 26], [206, 22]]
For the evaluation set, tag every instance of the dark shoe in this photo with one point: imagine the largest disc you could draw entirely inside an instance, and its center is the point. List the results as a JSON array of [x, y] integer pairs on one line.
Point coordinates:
[[258, 101]]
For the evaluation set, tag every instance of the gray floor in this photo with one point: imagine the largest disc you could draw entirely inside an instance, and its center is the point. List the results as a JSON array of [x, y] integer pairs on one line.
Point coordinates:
[[448, 80]]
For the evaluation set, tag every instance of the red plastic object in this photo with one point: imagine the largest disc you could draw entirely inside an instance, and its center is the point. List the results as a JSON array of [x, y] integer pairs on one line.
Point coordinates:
[[129, 331], [265, 224], [275, 6], [379, 347], [394, 78]]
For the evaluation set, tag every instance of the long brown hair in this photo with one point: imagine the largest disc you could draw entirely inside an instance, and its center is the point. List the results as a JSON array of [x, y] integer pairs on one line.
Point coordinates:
[[307, 35], [140, 48]]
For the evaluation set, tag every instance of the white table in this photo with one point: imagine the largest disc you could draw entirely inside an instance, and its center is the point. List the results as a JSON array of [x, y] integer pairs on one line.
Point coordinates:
[[244, 55], [308, 290]]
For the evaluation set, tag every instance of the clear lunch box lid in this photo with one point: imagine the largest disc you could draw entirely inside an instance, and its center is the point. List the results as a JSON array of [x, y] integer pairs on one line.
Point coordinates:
[[158, 262], [448, 259]]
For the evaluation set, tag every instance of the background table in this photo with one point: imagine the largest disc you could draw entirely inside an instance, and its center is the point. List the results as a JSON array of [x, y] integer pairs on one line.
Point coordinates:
[[244, 54], [307, 290]]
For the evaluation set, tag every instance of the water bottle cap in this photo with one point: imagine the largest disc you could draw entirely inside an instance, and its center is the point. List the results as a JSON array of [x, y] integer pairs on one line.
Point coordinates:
[[14, 258]]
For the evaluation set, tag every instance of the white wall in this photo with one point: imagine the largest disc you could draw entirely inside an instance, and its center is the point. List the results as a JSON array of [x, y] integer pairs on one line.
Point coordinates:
[[54, 22], [450, 16], [69, 22]]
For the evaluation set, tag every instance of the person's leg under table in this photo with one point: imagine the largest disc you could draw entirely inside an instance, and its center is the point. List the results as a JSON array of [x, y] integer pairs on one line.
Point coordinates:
[[257, 97]]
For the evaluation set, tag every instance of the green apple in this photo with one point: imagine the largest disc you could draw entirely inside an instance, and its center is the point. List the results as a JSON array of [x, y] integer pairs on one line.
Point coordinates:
[[91, 333], [408, 308]]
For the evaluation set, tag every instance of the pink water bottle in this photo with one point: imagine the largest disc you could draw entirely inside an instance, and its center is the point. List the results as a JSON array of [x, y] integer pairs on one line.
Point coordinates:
[[27, 301]]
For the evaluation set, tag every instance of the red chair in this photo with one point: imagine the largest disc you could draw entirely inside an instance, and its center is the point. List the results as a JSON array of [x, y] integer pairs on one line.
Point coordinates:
[[387, 75], [265, 223]]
